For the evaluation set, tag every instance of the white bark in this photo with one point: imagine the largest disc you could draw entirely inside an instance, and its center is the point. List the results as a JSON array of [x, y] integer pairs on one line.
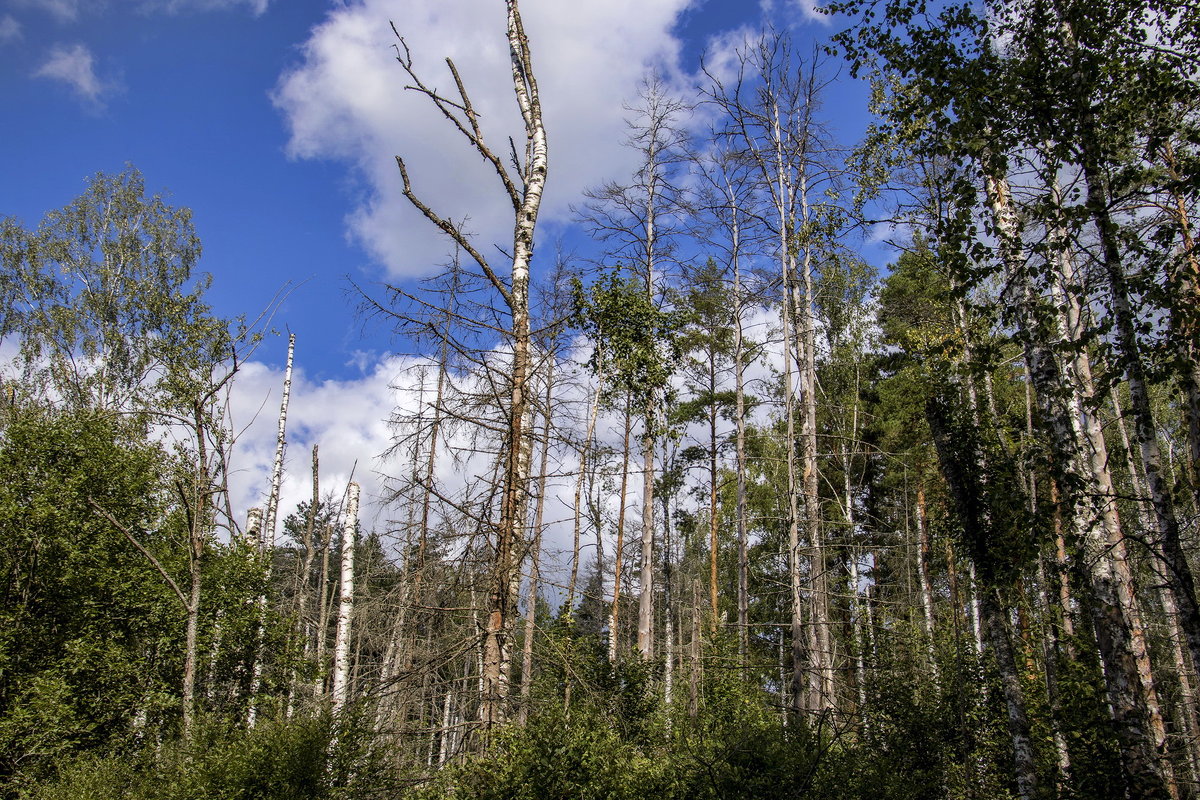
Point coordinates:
[[341, 646], [267, 540]]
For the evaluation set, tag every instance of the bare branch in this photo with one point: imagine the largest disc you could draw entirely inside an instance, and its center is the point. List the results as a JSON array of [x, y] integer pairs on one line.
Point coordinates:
[[150, 556], [453, 232]]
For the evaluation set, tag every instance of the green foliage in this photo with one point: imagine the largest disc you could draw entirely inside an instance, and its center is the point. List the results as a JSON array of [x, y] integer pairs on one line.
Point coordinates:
[[88, 623], [295, 759], [102, 298], [635, 348]]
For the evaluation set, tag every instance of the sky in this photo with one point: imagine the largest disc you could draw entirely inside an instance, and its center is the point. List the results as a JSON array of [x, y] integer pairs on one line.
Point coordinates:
[[277, 122]]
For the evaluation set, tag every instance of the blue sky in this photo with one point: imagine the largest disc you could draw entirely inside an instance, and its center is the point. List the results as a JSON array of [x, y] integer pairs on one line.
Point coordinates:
[[276, 122]]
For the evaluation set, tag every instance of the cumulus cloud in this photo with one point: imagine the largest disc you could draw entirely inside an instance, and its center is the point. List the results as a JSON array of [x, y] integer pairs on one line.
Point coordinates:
[[256, 7], [350, 421], [347, 419], [62, 10], [346, 100], [810, 11], [10, 29], [75, 66]]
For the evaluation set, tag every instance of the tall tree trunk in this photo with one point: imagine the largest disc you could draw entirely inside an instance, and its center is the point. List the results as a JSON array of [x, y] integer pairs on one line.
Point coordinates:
[[821, 677], [584, 455], [743, 533], [713, 517], [669, 601], [266, 542], [645, 636], [1019, 730], [303, 588], [270, 525], [1126, 665], [341, 646], [495, 692], [795, 579], [923, 554], [619, 554], [535, 556], [323, 614]]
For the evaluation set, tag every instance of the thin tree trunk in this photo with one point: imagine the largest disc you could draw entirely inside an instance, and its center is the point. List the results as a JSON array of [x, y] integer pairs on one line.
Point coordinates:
[[743, 534], [531, 604], [266, 541], [341, 646], [191, 643], [303, 590], [444, 745], [584, 455], [923, 551], [645, 637], [198, 527], [619, 556], [821, 678], [712, 493], [669, 610], [269, 528], [512, 514], [798, 679], [1019, 729], [323, 613]]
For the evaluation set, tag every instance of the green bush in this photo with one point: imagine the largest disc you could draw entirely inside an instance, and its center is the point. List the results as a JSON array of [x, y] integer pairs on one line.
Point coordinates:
[[295, 759]]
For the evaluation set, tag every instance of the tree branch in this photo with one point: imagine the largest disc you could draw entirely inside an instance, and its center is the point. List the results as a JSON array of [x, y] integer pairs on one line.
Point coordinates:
[[150, 556]]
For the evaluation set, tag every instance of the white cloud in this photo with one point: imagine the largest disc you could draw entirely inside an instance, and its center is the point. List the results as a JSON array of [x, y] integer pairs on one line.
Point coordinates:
[[62, 10], [75, 66], [10, 29], [346, 100], [256, 7], [347, 419], [809, 11]]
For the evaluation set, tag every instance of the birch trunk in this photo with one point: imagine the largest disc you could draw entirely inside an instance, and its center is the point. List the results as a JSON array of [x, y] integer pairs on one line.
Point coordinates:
[[1188, 712], [266, 541], [795, 580], [301, 627], [923, 552], [1118, 628], [535, 556], [495, 691], [269, 527], [253, 526], [525, 194], [341, 646], [821, 677], [310, 552]]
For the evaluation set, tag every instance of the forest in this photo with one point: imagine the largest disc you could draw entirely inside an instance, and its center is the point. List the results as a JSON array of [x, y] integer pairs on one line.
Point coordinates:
[[727, 511]]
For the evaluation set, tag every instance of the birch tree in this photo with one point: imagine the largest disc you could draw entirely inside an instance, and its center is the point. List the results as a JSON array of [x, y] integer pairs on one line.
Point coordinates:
[[340, 693], [524, 192]]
